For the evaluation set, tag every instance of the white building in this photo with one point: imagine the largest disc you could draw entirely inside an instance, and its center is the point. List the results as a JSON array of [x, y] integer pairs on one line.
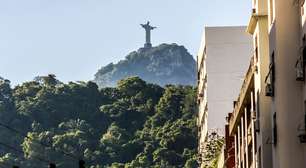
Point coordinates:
[[223, 59]]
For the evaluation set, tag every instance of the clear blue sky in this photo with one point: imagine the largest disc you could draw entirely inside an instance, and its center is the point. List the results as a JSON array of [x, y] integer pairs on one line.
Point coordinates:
[[74, 38]]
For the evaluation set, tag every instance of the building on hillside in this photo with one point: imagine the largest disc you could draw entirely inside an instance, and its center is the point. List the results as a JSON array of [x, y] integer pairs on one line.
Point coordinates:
[[219, 77]]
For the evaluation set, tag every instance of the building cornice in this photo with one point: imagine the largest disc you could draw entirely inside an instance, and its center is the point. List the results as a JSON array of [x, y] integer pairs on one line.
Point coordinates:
[[253, 22]]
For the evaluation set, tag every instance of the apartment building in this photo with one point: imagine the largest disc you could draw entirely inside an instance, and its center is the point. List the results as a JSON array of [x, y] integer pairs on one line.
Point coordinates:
[[219, 77], [241, 122], [276, 96], [287, 86], [229, 146], [202, 101], [258, 28]]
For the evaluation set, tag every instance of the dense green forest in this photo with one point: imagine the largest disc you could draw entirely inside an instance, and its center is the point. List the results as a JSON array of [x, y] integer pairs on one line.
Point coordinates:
[[133, 125]]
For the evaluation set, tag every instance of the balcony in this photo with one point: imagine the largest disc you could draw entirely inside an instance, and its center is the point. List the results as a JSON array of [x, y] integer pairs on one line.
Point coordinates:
[[269, 81], [202, 112], [202, 81], [299, 68], [248, 83], [249, 135]]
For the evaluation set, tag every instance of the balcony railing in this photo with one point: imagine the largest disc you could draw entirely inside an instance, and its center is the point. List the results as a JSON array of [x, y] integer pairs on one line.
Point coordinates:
[[202, 112], [243, 91], [249, 134], [202, 82]]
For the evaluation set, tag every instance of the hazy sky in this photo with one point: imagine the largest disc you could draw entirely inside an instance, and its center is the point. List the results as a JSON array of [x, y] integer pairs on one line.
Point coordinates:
[[74, 38]]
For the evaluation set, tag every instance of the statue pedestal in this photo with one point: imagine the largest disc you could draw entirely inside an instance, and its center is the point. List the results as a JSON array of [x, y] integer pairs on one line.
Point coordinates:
[[147, 45]]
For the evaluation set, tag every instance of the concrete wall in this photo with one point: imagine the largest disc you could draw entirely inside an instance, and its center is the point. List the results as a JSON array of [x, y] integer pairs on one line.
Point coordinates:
[[228, 51], [201, 100], [288, 100], [220, 163], [262, 102]]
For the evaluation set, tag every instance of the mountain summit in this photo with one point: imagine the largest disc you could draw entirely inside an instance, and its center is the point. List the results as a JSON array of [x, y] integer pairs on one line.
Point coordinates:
[[162, 65]]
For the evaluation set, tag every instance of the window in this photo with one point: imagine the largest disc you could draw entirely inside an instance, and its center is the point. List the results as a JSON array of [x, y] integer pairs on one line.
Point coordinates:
[[250, 152], [257, 106], [272, 65], [305, 115], [270, 78], [205, 50], [274, 135], [304, 55], [199, 76], [257, 121], [256, 49], [302, 131]]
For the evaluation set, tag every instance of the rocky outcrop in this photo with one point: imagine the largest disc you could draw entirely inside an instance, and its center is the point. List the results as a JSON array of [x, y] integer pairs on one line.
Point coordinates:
[[162, 65]]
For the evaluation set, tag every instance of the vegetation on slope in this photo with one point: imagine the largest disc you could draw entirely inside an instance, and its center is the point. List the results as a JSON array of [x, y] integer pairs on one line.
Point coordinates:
[[135, 124], [213, 149]]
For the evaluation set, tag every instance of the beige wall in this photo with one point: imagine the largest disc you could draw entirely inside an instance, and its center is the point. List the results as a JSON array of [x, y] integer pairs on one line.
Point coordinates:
[[264, 103], [201, 100], [277, 27], [221, 161], [259, 21], [288, 152]]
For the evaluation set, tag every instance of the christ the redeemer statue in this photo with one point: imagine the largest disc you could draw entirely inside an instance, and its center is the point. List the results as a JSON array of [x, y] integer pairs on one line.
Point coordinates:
[[148, 29]]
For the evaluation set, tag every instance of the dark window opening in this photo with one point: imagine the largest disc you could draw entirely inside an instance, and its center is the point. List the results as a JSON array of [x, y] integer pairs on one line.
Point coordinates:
[[274, 136], [257, 121], [304, 56], [270, 78], [300, 66], [259, 157], [256, 49], [305, 116]]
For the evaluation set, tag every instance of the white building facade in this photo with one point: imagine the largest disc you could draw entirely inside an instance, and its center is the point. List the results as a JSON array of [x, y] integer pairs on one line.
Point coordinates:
[[222, 61]]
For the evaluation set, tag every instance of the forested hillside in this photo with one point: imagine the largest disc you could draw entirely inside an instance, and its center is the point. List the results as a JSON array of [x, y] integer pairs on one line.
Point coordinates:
[[133, 125]]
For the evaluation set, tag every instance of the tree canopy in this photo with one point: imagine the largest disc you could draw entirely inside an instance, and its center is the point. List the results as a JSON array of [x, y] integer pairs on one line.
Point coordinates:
[[135, 124]]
